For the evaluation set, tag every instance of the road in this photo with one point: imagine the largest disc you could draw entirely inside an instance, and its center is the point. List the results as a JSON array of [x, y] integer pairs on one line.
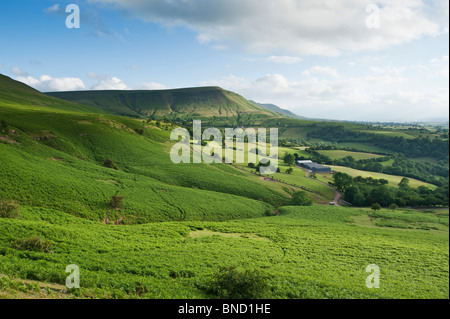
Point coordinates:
[[337, 194]]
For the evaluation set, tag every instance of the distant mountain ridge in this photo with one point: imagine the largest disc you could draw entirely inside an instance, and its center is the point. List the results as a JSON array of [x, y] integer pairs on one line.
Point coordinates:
[[195, 102], [277, 109]]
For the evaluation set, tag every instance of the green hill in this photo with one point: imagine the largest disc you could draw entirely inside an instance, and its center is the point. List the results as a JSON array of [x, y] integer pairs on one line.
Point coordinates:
[[179, 225], [18, 94], [279, 110], [52, 156], [195, 102]]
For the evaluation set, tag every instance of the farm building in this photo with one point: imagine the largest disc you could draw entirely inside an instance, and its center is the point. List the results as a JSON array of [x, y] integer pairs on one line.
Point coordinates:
[[317, 167], [304, 162]]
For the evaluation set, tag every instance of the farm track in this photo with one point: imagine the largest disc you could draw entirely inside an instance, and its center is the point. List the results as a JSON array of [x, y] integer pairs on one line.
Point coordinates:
[[337, 194]]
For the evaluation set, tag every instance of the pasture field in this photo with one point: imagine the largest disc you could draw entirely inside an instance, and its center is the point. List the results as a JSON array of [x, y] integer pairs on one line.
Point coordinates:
[[364, 147], [393, 179], [340, 154]]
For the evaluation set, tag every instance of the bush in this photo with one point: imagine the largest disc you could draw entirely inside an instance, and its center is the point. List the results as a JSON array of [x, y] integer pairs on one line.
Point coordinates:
[[116, 202], [109, 163], [231, 283], [9, 209], [376, 207], [301, 198], [33, 244]]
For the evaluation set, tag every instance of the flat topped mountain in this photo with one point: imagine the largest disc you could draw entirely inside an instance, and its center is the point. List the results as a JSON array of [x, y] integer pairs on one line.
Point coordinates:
[[200, 102]]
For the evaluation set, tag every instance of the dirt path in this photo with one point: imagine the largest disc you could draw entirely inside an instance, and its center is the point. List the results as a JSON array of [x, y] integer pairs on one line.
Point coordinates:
[[337, 194]]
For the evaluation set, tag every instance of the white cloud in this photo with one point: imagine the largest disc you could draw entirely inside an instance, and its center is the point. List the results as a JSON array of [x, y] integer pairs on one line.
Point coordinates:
[[54, 8], [151, 86], [379, 97], [308, 27], [284, 59], [106, 82], [46, 83], [15, 70], [322, 70], [440, 61]]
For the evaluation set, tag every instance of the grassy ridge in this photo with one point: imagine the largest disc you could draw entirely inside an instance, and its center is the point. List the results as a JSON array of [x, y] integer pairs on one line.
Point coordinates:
[[206, 102]]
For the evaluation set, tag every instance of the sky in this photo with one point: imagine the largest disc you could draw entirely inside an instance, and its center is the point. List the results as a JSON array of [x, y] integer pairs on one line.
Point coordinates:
[[357, 60]]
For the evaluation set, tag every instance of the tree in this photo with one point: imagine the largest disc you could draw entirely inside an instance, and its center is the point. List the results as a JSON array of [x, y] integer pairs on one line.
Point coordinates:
[[376, 207], [289, 159], [342, 181], [232, 283], [404, 183], [289, 170], [382, 195], [393, 207], [383, 181], [355, 196], [301, 198]]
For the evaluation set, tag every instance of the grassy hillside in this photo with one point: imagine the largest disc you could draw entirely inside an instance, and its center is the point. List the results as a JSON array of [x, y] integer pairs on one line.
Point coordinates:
[[73, 146], [332, 246], [179, 225], [196, 102], [17, 94]]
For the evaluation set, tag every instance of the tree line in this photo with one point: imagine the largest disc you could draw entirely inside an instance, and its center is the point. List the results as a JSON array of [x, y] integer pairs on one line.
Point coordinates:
[[363, 192]]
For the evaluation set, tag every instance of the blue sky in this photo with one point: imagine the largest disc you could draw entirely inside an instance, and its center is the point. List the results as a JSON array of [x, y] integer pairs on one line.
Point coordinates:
[[317, 58]]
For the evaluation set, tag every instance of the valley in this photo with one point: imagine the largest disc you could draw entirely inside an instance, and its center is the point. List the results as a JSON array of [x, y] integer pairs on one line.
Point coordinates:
[[86, 178]]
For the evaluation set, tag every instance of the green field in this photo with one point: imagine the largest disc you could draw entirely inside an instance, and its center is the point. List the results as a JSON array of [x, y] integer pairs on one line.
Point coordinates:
[[340, 154], [393, 180]]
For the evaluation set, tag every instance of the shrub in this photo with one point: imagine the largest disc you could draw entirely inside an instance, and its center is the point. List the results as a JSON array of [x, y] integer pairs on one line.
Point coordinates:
[[301, 198], [376, 207], [9, 209], [109, 163], [232, 283], [33, 244], [116, 202]]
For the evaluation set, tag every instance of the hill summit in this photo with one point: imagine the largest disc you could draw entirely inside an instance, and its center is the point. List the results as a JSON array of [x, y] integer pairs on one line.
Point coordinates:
[[195, 102]]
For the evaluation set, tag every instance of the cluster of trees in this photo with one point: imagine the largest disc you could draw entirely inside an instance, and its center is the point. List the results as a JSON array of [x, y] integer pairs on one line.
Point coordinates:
[[361, 192], [418, 147], [427, 172]]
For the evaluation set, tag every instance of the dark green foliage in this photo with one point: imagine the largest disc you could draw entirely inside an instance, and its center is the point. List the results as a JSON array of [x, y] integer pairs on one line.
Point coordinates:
[[342, 181], [9, 209], [289, 170], [301, 198], [3, 126], [393, 207], [109, 163], [33, 244], [232, 283], [289, 159], [116, 201], [375, 207]]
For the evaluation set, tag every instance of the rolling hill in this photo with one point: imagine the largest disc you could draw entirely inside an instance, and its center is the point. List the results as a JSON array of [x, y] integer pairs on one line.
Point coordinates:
[[281, 111], [178, 226], [196, 102]]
